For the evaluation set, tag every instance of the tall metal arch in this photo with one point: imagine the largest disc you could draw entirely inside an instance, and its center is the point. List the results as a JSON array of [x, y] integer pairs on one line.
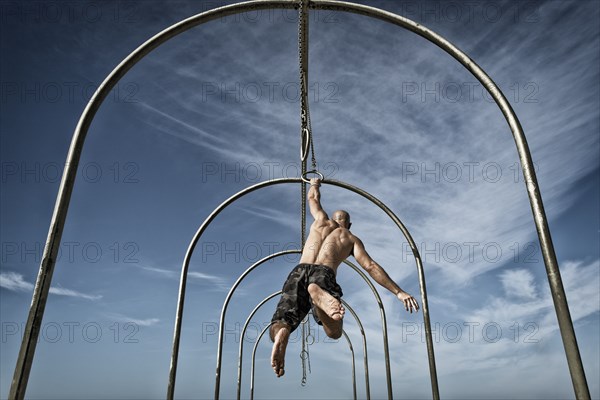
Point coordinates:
[[250, 189], [245, 275], [358, 321], [241, 349], [42, 287]]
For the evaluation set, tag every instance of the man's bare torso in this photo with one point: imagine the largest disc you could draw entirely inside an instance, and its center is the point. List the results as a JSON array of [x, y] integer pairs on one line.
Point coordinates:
[[327, 244]]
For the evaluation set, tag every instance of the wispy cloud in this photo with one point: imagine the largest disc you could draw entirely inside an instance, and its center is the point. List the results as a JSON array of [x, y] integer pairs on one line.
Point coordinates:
[[515, 330], [519, 283], [581, 282], [160, 271], [383, 133], [266, 213], [15, 282], [217, 282], [207, 277], [73, 293], [136, 321], [180, 129]]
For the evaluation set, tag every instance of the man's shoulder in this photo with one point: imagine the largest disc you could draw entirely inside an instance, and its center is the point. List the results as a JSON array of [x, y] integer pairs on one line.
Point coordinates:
[[354, 238]]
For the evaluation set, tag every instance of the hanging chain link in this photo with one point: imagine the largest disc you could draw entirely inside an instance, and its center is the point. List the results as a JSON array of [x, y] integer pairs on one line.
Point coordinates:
[[305, 139], [306, 132]]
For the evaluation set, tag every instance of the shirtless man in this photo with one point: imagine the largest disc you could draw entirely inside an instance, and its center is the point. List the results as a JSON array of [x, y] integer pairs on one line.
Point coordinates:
[[312, 283]]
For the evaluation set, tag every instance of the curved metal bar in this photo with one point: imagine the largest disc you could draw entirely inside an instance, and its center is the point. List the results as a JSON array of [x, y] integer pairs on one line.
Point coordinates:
[[422, 285], [366, 357], [353, 363], [260, 185], [561, 306], [238, 282], [63, 198], [243, 334], [254, 358], [224, 311], [241, 350], [42, 287], [386, 349]]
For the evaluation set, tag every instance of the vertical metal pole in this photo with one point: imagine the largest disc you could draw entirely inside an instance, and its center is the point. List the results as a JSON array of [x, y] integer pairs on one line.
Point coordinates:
[[44, 278], [559, 296], [430, 352], [243, 336], [224, 311], [383, 326], [353, 363], [63, 198], [386, 349], [253, 360], [366, 356], [421, 272]]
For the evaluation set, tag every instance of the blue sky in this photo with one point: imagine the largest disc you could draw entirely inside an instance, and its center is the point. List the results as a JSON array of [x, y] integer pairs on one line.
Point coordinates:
[[215, 110]]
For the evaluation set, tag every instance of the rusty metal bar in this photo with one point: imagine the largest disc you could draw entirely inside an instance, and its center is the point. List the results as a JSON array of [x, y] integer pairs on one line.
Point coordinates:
[[242, 335], [241, 349], [383, 328], [364, 338], [386, 349], [224, 311], [353, 363], [43, 282], [344, 185], [63, 198], [559, 297], [254, 358], [365, 355], [239, 281]]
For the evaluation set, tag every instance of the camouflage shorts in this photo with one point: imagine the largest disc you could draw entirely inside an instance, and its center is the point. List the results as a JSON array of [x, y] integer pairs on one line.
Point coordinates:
[[295, 301]]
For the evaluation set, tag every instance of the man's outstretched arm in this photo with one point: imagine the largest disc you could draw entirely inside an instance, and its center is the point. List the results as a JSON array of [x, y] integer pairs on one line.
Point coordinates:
[[314, 200], [381, 277]]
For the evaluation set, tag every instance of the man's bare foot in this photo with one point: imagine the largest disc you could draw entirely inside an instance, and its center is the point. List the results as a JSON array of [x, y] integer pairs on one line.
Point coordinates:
[[278, 354], [326, 302]]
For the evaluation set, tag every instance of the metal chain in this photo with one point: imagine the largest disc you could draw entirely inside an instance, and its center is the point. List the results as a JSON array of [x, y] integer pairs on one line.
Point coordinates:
[[305, 134], [303, 114], [306, 130]]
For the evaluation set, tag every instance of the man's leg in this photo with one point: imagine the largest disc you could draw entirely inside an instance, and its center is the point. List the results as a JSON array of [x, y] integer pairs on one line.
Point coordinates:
[[329, 310], [280, 334], [293, 305]]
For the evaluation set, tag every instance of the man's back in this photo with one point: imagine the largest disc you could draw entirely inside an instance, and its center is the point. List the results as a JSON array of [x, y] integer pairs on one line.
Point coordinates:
[[328, 244]]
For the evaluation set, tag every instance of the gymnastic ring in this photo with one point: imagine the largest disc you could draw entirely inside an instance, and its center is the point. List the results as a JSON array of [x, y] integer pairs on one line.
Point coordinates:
[[313, 171]]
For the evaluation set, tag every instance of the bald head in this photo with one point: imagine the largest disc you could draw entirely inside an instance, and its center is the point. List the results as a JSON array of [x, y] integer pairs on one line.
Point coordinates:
[[342, 217]]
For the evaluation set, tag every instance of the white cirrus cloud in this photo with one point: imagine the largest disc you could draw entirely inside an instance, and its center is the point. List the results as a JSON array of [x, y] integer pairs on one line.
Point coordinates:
[[519, 283], [218, 282], [137, 321], [15, 282]]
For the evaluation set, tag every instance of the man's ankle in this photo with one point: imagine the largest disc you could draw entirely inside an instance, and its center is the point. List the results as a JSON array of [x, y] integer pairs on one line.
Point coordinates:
[[276, 328]]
